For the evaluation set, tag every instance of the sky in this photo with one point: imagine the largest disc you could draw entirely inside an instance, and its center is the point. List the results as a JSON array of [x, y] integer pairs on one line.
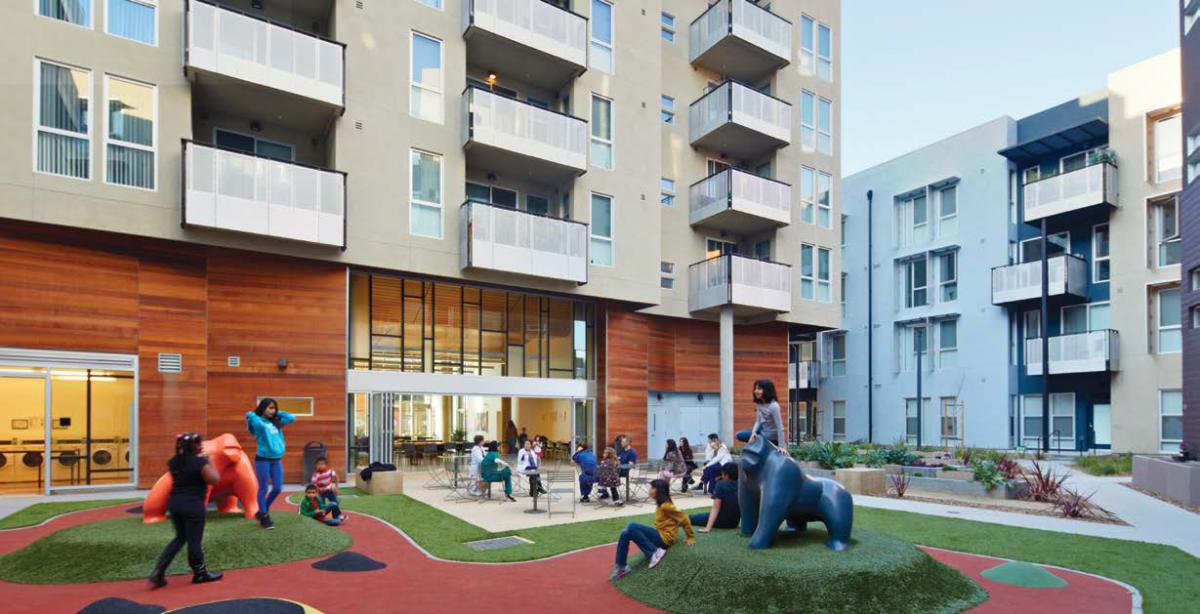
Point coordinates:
[[917, 71]]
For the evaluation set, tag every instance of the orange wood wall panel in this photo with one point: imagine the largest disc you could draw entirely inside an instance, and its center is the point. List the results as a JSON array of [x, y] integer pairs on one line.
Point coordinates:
[[697, 356], [759, 352], [626, 346], [661, 355]]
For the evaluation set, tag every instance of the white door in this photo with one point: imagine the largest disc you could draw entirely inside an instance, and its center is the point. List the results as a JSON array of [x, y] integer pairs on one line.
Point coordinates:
[[1101, 424]]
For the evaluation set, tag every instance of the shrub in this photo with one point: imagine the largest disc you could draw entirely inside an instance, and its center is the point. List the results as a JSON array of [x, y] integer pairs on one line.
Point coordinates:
[[987, 473], [899, 483], [966, 454], [899, 455], [1073, 504], [1044, 485], [829, 455], [1106, 464]]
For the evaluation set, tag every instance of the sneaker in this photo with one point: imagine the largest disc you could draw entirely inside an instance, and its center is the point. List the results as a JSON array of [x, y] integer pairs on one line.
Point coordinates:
[[157, 580], [207, 576], [657, 557], [620, 503], [510, 498], [619, 572], [266, 521], [585, 500]]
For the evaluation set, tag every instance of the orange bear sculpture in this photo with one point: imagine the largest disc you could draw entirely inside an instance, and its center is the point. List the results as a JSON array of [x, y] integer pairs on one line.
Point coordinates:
[[238, 482]]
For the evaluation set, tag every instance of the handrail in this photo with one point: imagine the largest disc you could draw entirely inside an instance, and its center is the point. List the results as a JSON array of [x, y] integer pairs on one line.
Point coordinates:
[[260, 156], [561, 8], [1048, 259], [740, 170], [732, 81], [1057, 175], [273, 22], [714, 4], [718, 256], [470, 202], [472, 86]]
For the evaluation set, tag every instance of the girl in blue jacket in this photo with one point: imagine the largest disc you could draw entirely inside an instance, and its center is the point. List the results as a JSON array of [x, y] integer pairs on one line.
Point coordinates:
[[266, 423]]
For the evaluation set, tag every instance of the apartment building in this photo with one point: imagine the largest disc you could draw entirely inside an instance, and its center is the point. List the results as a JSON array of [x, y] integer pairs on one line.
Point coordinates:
[[1188, 424], [921, 231], [407, 220]]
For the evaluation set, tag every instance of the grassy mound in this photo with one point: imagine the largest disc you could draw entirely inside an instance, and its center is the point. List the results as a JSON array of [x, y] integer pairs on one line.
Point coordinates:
[[124, 548], [877, 574], [41, 512], [1105, 464]]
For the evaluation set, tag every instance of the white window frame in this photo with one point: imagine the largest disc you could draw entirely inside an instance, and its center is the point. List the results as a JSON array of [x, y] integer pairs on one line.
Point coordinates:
[[1049, 240], [153, 148], [906, 347], [612, 228], [837, 366], [37, 10], [1097, 258], [1159, 327], [826, 133], [837, 411], [1191, 159], [1088, 308], [37, 119], [1168, 445], [666, 270], [612, 137], [826, 75], [667, 29], [811, 278], [947, 225], [808, 201], [808, 126], [910, 286], [441, 86], [1156, 174], [1032, 174], [667, 104], [910, 413], [612, 35], [808, 55], [150, 3], [437, 5], [947, 355], [824, 211], [1031, 440], [412, 202], [824, 284], [667, 192], [257, 139], [945, 284], [1155, 204]]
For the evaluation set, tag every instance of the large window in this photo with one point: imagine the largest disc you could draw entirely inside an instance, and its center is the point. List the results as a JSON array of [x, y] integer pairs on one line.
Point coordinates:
[[130, 135], [133, 19], [78, 12], [1078, 319], [421, 326], [824, 200], [825, 126], [600, 55], [425, 91], [1062, 420], [948, 276], [947, 344], [808, 49], [1167, 148], [808, 120], [808, 194], [838, 409], [912, 220], [425, 216], [824, 52], [837, 355], [1170, 415], [824, 289], [64, 131], [807, 278], [947, 211], [1165, 225], [236, 141], [912, 342], [916, 282], [1101, 270], [1170, 340], [602, 230], [602, 133], [912, 421]]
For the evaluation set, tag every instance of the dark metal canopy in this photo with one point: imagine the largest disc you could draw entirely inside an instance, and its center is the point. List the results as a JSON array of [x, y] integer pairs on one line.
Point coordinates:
[[1062, 141]]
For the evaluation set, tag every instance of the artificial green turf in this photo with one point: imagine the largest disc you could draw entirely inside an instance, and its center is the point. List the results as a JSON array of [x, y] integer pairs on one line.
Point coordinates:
[[799, 574], [40, 512], [294, 498], [124, 548], [1105, 464], [1019, 573]]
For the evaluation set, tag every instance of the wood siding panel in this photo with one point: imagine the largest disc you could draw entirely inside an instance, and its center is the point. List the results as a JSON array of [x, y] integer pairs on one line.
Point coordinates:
[[626, 347], [661, 354], [759, 352]]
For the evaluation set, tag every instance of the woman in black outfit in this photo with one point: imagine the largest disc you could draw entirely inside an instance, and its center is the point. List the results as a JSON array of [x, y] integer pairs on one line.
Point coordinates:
[[192, 475], [689, 460]]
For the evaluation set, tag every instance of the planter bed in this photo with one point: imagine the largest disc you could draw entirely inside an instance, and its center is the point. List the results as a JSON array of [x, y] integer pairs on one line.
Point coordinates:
[[1013, 490]]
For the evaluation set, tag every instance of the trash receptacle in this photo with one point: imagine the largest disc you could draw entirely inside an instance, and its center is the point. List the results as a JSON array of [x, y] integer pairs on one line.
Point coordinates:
[[312, 451]]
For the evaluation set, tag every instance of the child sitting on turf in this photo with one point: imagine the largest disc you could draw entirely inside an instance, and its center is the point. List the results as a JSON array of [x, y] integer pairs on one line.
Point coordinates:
[[653, 541], [315, 507], [325, 479], [726, 513]]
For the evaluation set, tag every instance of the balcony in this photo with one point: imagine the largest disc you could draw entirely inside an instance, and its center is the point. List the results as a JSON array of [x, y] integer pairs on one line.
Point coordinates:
[[1068, 276], [227, 47], [803, 375], [1093, 352], [546, 44], [496, 238], [741, 40], [230, 190], [751, 286], [739, 121], [739, 202], [516, 139], [1087, 187]]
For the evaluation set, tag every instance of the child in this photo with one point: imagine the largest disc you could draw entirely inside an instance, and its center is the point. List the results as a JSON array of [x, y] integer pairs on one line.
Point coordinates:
[[726, 512], [653, 541], [315, 507], [608, 476], [325, 479]]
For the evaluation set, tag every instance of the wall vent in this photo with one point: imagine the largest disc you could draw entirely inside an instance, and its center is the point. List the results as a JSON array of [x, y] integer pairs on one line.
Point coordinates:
[[170, 363], [234, 361], [358, 125], [358, 5]]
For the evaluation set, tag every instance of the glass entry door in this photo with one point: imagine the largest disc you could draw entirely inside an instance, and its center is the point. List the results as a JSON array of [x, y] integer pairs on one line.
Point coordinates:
[[89, 427], [583, 425], [22, 431]]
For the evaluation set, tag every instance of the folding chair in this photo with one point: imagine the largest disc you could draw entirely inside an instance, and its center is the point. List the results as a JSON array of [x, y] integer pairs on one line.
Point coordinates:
[[558, 480]]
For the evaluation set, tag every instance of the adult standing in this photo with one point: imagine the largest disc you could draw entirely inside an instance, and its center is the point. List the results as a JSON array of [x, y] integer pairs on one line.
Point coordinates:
[[191, 475], [266, 423], [768, 420], [521, 439], [510, 436]]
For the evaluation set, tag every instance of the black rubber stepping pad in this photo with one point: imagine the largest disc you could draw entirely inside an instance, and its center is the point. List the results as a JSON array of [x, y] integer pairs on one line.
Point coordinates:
[[116, 605], [134, 510], [259, 605], [349, 561]]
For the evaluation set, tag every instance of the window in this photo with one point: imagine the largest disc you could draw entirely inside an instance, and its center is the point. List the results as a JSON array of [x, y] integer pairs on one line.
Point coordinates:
[[912, 341], [824, 53], [839, 420], [602, 230], [1033, 325], [807, 46], [1062, 419], [667, 283], [912, 421], [825, 126], [808, 121], [130, 140], [1057, 243], [762, 250], [602, 133], [949, 418], [437, 4], [1100, 254], [502, 197], [1167, 148], [824, 209], [1193, 152], [837, 355], [842, 231], [246, 143], [425, 93], [78, 12], [1170, 415], [1169, 319], [842, 296], [948, 276], [1195, 279], [667, 196], [1165, 223], [133, 19], [667, 269], [715, 166], [916, 283], [600, 56], [717, 247], [425, 214], [1191, 11], [808, 194], [64, 131], [1032, 174], [912, 220], [947, 211], [947, 344], [668, 27], [824, 287], [807, 281], [1077, 319], [668, 109], [537, 205]]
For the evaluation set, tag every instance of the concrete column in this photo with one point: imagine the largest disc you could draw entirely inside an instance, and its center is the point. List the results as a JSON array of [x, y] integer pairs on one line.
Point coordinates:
[[727, 374]]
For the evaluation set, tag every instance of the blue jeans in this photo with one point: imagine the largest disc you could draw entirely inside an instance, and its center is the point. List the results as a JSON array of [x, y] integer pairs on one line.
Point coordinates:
[[586, 481], [647, 539], [708, 479], [329, 497], [268, 469]]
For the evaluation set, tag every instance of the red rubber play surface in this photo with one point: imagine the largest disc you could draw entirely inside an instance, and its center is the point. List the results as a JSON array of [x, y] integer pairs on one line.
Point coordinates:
[[414, 582]]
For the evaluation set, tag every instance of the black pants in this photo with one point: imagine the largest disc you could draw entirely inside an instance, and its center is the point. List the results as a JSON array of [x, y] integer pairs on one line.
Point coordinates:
[[189, 529]]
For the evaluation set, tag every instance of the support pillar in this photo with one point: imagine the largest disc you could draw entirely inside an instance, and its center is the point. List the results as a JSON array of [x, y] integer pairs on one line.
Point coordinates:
[[727, 392]]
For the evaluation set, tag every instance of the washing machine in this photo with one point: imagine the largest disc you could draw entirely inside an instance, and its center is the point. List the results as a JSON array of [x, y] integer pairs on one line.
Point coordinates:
[[8, 467], [105, 455], [124, 450], [29, 466]]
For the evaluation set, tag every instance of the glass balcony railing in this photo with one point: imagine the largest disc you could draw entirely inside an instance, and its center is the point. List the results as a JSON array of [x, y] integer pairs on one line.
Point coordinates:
[[502, 239], [740, 39], [749, 283], [740, 202], [1079, 189], [1091, 352], [740, 121], [510, 126], [1021, 282], [548, 41]]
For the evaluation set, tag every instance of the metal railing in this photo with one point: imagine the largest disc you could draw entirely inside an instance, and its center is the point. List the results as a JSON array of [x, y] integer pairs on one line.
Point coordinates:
[[735, 102], [258, 50], [1067, 274], [534, 23], [525, 128], [733, 186], [803, 374], [732, 279], [1091, 185], [743, 19], [1091, 352], [505, 239]]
